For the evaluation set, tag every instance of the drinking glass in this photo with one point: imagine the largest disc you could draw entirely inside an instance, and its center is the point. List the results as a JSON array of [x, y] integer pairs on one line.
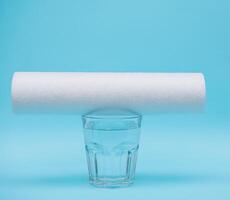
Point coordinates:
[[111, 144]]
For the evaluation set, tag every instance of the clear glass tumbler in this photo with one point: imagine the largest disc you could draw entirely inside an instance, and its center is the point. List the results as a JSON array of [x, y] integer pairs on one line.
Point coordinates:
[[111, 143]]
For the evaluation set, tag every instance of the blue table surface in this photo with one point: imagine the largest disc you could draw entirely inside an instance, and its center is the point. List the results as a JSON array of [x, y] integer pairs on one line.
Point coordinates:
[[173, 163]]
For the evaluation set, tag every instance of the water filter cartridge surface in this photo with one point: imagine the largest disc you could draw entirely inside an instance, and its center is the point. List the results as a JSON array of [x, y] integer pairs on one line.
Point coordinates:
[[82, 92]]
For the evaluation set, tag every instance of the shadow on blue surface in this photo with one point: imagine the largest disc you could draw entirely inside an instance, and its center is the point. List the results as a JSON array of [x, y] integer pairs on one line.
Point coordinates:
[[82, 179], [173, 178], [67, 180]]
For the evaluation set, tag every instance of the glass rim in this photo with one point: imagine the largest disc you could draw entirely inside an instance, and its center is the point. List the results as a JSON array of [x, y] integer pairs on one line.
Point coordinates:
[[118, 114]]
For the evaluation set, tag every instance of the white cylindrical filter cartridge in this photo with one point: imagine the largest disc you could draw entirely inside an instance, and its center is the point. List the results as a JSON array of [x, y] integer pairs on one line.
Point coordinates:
[[82, 92]]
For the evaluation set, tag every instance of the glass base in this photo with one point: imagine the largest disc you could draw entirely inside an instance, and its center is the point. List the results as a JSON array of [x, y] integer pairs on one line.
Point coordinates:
[[110, 182], [111, 167]]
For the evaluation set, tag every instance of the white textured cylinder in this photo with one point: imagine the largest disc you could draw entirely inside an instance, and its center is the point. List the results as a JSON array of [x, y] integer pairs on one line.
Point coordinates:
[[82, 92]]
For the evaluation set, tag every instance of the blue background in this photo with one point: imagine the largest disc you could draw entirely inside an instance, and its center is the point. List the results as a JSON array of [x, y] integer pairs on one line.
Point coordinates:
[[182, 156]]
